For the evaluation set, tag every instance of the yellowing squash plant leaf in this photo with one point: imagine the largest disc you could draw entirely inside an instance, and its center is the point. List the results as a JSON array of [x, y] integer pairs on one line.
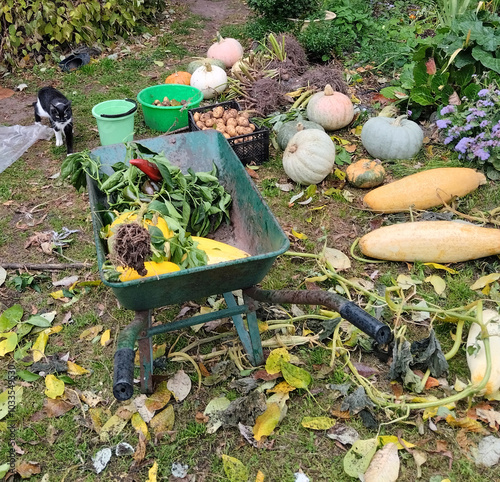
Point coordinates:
[[388, 439], [299, 235], [234, 469], [74, 369], [8, 343], [295, 376], [405, 281], [359, 456], [438, 283], [55, 387], [466, 423], [337, 259], [106, 338], [260, 477], [318, 423], [484, 281], [275, 358], [267, 422], [440, 266]]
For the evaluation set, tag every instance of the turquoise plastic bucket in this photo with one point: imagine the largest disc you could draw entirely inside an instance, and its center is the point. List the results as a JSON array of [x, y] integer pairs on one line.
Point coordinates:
[[115, 120]]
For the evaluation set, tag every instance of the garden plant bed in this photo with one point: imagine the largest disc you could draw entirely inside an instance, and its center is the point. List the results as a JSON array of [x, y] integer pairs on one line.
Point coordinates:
[[339, 387]]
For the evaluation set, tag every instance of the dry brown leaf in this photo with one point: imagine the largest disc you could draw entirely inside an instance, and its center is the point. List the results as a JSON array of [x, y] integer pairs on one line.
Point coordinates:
[[431, 383], [140, 450], [490, 416], [384, 466], [28, 469], [52, 408], [159, 398], [6, 93], [201, 418], [339, 414], [163, 422]]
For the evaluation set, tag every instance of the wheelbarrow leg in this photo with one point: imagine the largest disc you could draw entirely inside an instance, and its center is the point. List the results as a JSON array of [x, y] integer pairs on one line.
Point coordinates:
[[249, 339], [145, 345]]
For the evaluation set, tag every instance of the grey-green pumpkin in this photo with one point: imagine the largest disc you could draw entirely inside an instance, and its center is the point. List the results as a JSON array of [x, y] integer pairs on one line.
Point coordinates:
[[288, 129], [193, 65], [388, 138]]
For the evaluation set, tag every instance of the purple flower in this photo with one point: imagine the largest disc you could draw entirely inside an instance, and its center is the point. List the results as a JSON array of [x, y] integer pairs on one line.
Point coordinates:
[[442, 123], [482, 154], [449, 109], [448, 139], [484, 123], [463, 144], [483, 92]]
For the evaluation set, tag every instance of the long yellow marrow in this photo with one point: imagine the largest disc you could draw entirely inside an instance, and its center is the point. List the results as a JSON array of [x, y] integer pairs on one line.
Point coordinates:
[[431, 241], [424, 190], [218, 252]]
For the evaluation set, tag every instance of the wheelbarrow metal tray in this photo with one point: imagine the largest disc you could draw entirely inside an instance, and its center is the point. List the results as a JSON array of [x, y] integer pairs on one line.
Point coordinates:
[[253, 226]]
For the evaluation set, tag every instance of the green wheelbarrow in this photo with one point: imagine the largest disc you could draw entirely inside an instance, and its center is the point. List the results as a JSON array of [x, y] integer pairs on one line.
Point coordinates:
[[253, 229]]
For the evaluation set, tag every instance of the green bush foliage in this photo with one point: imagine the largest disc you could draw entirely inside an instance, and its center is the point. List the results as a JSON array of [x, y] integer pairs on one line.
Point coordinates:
[[283, 8], [34, 29]]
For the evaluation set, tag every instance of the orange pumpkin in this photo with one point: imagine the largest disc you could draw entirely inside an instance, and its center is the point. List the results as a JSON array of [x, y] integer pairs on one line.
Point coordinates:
[[365, 173], [181, 77]]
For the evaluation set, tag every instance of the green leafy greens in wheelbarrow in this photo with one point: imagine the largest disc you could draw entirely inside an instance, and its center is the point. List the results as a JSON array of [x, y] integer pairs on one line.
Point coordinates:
[[195, 202]]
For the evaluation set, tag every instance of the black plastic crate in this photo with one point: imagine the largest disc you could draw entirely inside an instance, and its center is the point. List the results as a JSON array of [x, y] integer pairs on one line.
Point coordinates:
[[250, 148]]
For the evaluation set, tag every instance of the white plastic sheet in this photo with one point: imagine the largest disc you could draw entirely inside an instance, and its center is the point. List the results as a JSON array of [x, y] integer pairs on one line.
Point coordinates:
[[16, 140]]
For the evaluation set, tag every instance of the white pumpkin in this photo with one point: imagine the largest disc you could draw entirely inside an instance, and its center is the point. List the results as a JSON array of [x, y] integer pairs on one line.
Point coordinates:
[[228, 50], [210, 79], [476, 356], [309, 156]]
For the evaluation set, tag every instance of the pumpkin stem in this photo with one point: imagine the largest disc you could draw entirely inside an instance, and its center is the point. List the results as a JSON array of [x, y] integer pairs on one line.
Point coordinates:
[[300, 127], [219, 37], [208, 66], [397, 121], [328, 90]]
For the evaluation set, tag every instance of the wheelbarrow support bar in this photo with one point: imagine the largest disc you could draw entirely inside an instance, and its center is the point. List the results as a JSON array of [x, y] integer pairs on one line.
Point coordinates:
[[348, 310]]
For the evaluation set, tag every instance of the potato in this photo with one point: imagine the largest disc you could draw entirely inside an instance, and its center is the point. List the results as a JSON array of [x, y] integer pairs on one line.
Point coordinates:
[[218, 112]]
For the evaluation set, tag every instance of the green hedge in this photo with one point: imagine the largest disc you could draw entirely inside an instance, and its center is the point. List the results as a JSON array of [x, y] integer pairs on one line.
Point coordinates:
[[32, 29]]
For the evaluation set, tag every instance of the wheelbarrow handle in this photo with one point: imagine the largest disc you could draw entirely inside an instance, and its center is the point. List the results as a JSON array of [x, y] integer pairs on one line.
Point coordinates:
[[348, 310], [123, 378]]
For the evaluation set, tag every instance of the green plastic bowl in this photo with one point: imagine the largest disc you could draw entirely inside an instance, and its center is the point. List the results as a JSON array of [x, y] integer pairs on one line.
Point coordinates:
[[162, 118]]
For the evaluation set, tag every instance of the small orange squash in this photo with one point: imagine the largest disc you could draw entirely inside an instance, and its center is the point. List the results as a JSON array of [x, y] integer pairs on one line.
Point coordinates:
[[181, 77], [365, 173]]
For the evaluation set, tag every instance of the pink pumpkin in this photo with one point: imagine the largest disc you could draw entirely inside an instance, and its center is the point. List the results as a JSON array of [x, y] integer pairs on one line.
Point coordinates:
[[227, 50], [331, 110]]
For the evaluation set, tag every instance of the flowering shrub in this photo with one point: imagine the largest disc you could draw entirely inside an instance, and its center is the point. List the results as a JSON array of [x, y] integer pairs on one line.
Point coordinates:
[[473, 129]]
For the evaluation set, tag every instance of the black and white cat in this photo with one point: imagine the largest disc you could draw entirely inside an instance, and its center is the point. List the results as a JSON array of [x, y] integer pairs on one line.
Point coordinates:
[[53, 104]]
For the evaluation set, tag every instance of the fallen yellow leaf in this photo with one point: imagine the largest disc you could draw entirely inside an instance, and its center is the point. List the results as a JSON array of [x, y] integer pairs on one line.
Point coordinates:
[[111, 428], [275, 358], [90, 333], [9, 343], [55, 387], [74, 369], [267, 422], [387, 439], [106, 338], [38, 347], [152, 473], [140, 425], [318, 423]]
